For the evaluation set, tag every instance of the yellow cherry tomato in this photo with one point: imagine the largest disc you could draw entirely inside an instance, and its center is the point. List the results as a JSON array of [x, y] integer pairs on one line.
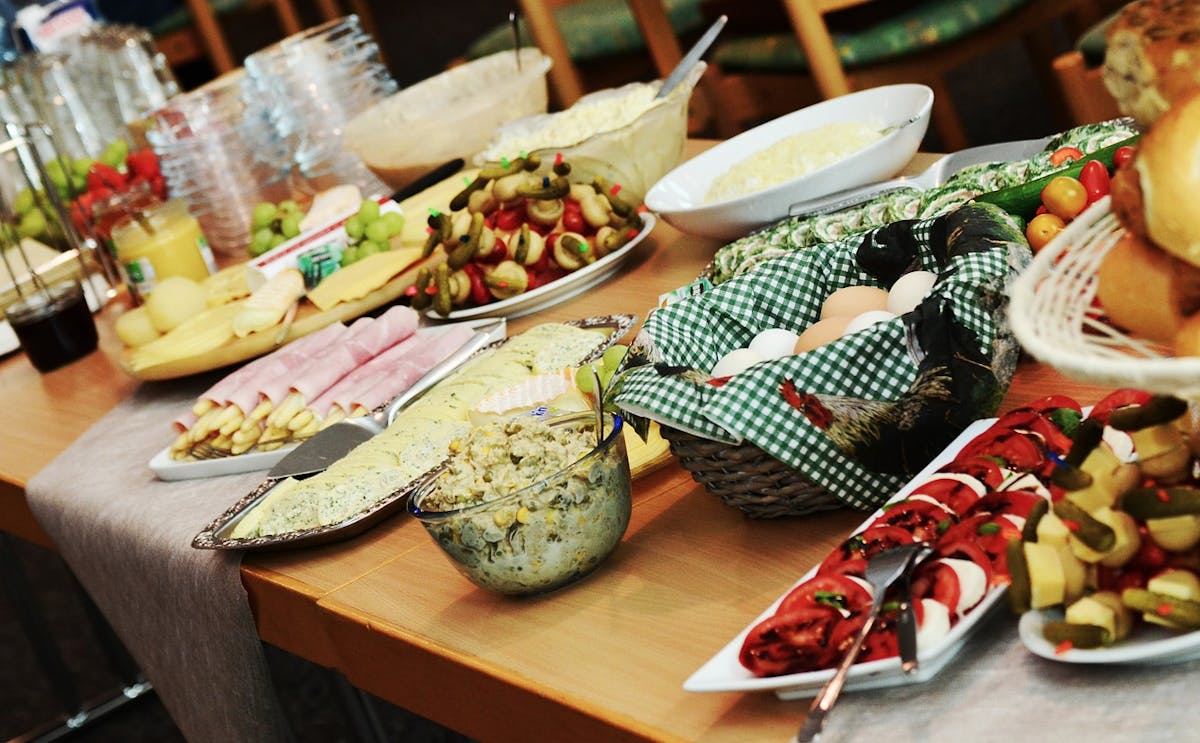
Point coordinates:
[[1042, 229], [1064, 196]]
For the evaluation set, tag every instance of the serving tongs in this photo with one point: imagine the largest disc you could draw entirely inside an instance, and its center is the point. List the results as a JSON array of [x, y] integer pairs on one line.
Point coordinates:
[[331, 444], [883, 570]]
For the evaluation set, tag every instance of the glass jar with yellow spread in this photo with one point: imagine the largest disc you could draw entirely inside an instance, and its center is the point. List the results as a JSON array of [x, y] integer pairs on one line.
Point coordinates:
[[161, 241]]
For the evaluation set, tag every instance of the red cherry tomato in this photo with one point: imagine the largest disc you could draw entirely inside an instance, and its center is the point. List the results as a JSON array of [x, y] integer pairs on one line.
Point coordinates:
[[508, 220], [1095, 180], [1064, 155], [828, 590], [1149, 556], [573, 221], [790, 643], [1122, 156]]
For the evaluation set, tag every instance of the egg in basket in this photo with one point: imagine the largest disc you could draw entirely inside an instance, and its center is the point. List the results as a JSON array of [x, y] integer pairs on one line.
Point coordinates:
[[847, 422]]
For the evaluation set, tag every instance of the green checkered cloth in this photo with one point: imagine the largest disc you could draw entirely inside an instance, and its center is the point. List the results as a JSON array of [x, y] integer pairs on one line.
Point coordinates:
[[864, 413], [795, 233]]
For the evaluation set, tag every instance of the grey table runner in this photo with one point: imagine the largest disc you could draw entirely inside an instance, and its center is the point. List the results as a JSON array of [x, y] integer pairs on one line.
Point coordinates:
[[182, 612]]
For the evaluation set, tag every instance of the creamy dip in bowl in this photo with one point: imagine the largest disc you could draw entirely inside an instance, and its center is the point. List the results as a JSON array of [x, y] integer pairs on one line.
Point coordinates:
[[527, 505]]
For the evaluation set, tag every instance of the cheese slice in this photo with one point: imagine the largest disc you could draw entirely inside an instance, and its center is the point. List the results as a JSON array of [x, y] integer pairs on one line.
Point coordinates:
[[362, 277]]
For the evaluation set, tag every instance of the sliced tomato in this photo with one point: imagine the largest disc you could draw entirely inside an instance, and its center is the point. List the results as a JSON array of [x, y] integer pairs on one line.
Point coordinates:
[[1010, 502], [986, 557], [880, 642], [1017, 450], [937, 581], [953, 493], [868, 542], [985, 469], [827, 590], [1118, 399], [920, 518], [790, 643], [1049, 433]]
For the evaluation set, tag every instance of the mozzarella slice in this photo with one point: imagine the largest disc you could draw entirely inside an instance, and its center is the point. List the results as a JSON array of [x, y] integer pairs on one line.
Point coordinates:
[[928, 499], [972, 583], [1026, 481], [935, 624], [1120, 443]]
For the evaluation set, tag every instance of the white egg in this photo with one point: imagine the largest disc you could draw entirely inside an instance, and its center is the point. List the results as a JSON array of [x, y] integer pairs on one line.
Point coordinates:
[[866, 320], [909, 290], [774, 343], [737, 361]]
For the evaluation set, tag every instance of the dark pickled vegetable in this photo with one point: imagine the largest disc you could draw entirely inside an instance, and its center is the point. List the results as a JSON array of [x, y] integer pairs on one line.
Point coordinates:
[[1161, 503], [1096, 535], [1079, 635], [1029, 530], [1178, 611], [1019, 592], [1160, 409]]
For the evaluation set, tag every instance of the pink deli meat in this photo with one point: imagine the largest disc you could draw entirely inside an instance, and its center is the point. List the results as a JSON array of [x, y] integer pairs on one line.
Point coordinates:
[[393, 371], [360, 345], [240, 387]]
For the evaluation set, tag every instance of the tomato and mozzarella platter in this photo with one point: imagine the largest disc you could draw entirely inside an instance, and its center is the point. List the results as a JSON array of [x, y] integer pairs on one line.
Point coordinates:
[[969, 509]]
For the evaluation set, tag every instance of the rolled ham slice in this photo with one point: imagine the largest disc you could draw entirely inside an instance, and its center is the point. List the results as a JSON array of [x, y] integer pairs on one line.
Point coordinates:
[[393, 371], [363, 343], [241, 386]]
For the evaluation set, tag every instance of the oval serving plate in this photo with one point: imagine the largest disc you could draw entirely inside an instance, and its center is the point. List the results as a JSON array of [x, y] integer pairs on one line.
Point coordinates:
[[217, 534], [724, 672], [1148, 645], [559, 290], [680, 196]]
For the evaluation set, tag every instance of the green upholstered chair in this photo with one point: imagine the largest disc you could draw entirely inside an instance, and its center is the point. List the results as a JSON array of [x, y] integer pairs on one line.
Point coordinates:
[[917, 42]]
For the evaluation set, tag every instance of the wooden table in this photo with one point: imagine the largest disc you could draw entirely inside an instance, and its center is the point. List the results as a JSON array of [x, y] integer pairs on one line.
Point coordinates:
[[601, 660]]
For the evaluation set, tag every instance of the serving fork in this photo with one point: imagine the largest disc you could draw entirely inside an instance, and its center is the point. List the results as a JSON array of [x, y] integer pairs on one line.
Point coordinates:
[[882, 571]]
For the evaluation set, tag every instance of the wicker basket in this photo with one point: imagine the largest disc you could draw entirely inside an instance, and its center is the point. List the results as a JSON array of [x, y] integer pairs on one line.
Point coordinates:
[[748, 478]]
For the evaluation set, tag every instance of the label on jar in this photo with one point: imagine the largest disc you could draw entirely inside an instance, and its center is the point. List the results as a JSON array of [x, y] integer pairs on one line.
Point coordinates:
[[207, 254], [140, 275]]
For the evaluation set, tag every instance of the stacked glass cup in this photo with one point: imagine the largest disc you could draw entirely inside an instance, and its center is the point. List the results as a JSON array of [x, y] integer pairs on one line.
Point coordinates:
[[309, 86]]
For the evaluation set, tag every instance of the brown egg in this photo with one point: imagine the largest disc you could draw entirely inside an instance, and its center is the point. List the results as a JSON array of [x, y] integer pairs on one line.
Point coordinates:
[[854, 300], [820, 333]]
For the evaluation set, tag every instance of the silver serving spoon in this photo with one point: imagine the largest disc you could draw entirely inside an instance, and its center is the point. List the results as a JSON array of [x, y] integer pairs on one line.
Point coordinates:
[[882, 571]]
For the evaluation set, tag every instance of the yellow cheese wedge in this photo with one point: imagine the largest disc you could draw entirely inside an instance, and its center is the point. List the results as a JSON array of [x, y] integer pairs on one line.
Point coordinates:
[[362, 277], [209, 330], [1047, 585]]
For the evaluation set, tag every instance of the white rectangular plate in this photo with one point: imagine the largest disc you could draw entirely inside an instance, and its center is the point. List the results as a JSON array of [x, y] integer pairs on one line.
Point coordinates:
[[723, 672]]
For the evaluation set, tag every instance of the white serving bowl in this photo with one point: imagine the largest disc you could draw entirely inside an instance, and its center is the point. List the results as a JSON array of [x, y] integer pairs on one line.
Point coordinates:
[[679, 197]]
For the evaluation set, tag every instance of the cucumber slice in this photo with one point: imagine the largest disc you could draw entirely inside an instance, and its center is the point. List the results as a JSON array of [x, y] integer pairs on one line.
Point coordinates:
[[1079, 635], [1161, 503], [1180, 612], [1096, 535]]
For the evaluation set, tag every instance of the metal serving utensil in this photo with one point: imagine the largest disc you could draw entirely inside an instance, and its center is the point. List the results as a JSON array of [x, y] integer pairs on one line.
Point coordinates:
[[692, 57], [883, 570]]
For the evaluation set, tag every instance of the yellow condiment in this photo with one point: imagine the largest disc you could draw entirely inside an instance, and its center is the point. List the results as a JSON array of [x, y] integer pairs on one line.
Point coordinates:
[[166, 241]]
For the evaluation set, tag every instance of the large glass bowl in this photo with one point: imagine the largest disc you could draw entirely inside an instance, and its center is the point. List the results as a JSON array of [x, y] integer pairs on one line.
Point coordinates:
[[598, 138], [452, 114], [547, 534]]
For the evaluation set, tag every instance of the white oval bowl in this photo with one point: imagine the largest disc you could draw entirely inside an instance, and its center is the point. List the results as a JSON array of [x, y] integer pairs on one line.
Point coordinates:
[[679, 197]]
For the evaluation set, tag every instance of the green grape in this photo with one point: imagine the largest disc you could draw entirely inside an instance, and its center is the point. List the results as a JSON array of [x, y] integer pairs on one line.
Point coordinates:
[[114, 154], [264, 215], [349, 255], [277, 240], [24, 201], [613, 356], [584, 381], [290, 226], [261, 242], [81, 166], [370, 247], [394, 221], [605, 377], [32, 224], [354, 227], [78, 183], [368, 211], [376, 232], [287, 206], [58, 177]]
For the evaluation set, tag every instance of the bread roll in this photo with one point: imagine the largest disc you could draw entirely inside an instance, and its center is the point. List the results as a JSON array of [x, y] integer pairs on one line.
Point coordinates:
[[1153, 56], [1146, 291], [1168, 167]]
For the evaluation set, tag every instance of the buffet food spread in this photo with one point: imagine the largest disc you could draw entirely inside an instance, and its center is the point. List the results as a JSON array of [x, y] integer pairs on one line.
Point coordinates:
[[852, 358]]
